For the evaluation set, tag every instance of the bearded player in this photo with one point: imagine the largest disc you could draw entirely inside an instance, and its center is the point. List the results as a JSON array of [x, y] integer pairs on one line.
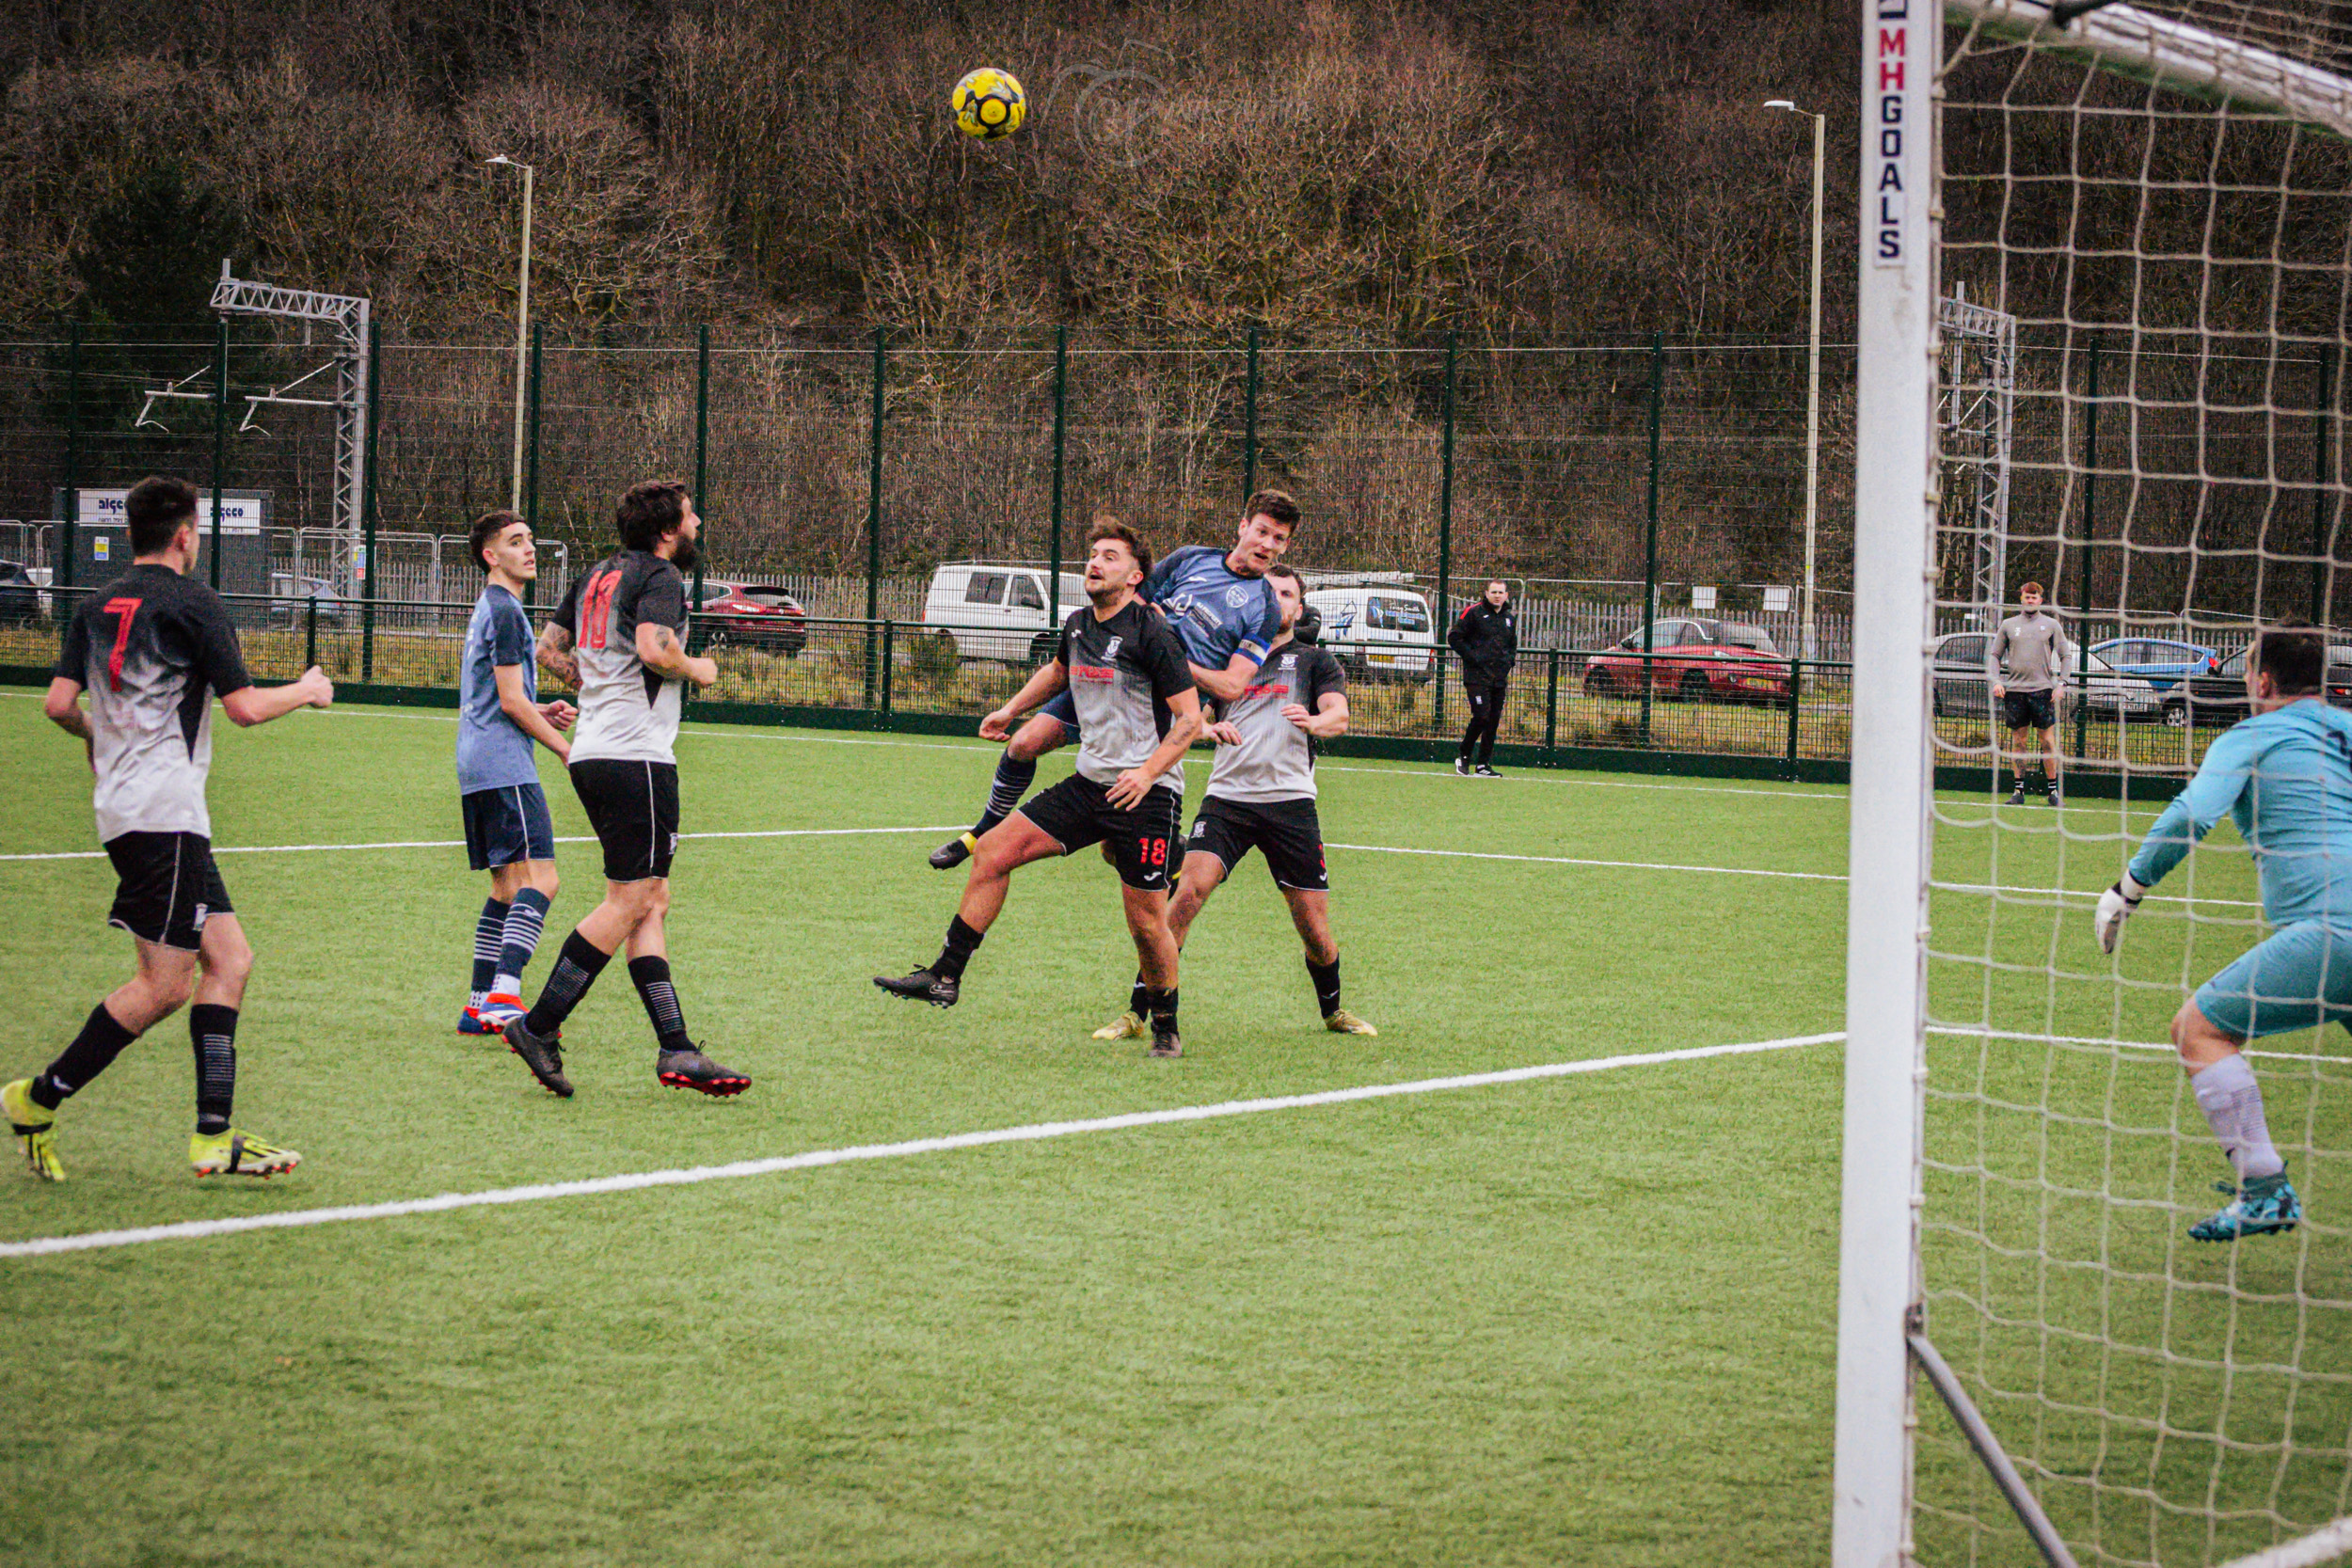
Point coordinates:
[[1138, 712], [1262, 796], [1223, 615]]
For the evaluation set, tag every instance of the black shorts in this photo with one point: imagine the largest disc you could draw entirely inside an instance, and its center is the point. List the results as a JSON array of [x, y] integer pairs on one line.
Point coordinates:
[[2030, 711], [506, 827], [1078, 812], [165, 888], [633, 808], [1288, 832]]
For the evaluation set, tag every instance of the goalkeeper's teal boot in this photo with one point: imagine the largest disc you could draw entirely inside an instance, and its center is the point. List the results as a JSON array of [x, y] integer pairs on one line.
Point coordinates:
[[2263, 1206]]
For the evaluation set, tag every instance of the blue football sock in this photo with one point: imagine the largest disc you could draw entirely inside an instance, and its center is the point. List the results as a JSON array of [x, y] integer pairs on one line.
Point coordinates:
[[489, 930], [520, 939]]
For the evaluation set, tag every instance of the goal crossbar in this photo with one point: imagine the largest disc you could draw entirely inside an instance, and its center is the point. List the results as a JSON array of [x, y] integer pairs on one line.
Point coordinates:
[[2140, 45]]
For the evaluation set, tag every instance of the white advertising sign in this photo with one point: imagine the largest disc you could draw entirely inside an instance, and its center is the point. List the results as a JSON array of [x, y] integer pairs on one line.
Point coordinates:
[[239, 513]]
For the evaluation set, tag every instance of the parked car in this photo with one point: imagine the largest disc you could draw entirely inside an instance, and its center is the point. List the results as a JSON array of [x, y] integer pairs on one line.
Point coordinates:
[[1720, 661], [754, 615], [290, 595], [20, 594], [2220, 697], [2163, 662], [996, 610], [1961, 690], [1377, 629]]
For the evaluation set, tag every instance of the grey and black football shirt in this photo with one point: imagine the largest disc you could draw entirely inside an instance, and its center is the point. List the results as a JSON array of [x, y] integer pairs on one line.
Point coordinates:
[[1122, 672], [153, 649], [1275, 759], [627, 713]]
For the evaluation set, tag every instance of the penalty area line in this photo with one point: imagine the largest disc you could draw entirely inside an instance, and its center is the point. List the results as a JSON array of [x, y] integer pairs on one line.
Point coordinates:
[[460, 844], [815, 1159]]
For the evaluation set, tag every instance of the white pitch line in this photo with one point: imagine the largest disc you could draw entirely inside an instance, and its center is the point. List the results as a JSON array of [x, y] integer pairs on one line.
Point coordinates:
[[733, 732], [2079, 895], [1830, 793], [2151, 1046], [460, 844], [1610, 866], [2327, 1544], [690, 1176]]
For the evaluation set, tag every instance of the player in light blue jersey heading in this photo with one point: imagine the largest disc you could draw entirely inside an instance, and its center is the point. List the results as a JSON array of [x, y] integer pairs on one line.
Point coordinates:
[[2284, 776], [1222, 610], [499, 716]]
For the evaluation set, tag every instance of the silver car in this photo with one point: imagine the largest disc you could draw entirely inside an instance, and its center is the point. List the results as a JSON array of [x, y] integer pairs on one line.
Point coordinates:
[[1962, 691]]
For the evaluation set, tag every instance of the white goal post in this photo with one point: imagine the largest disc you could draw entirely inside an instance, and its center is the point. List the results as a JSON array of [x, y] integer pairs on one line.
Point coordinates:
[[2224, 419]]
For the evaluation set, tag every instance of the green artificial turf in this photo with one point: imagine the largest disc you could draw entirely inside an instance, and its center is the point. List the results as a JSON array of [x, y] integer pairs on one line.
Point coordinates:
[[1583, 1319]]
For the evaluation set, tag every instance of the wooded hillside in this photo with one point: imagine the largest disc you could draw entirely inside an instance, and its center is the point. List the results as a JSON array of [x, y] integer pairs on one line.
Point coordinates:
[[1366, 172]]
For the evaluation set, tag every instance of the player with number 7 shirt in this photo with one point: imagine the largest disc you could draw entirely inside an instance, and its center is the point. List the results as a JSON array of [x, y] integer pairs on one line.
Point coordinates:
[[1138, 711]]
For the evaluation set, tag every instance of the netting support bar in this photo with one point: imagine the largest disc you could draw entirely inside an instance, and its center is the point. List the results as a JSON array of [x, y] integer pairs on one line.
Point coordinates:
[[2021, 1498], [1895, 505]]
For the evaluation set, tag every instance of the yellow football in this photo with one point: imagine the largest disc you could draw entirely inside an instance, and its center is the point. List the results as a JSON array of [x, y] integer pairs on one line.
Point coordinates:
[[988, 104]]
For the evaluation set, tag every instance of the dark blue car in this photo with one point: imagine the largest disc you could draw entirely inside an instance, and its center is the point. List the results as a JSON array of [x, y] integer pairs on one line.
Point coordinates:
[[2161, 661]]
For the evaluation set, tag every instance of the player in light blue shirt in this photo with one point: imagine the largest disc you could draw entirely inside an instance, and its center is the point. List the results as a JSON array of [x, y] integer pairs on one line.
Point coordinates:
[[1222, 609], [508, 833], [2284, 776]]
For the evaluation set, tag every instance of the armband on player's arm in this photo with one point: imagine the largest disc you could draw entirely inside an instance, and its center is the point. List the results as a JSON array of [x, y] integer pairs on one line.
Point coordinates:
[[1227, 685]]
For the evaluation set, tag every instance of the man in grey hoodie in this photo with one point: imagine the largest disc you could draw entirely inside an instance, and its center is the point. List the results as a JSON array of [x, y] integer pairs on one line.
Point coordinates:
[[2027, 667]]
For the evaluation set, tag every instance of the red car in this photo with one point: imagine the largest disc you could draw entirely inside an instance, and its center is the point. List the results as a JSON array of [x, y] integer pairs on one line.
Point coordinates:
[[754, 615], [1695, 660]]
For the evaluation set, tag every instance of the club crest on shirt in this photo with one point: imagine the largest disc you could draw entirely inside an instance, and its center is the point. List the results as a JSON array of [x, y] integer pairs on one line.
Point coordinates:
[[1236, 597], [1112, 652], [1290, 661]]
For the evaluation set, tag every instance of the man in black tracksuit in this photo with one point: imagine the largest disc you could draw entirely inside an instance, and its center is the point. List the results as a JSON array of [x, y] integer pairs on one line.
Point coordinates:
[[1486, 640]]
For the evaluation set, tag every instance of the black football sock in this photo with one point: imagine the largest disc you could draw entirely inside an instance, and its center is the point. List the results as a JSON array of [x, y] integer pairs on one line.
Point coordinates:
[[519, 939], [575, 969], [1013, 779], [212, 1030], [1140, 999], [93, 1051], [1327, 979], [489, 931], [962, 941], [651, 977], [1163, 1008]]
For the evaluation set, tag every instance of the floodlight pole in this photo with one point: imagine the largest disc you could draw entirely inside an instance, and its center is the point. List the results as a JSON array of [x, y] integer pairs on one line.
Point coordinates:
[[523, 328], [1812, 378]]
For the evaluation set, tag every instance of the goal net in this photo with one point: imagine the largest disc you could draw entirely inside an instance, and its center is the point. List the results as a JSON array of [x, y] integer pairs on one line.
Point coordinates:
[[2114, 287]]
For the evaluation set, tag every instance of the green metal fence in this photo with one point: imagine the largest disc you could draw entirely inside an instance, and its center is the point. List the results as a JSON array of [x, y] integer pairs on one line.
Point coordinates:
[[1563, 707], [1617, 473]]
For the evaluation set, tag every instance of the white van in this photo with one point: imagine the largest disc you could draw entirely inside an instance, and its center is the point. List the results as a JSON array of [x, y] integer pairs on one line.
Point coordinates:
[[1379, 629], [996, 610]]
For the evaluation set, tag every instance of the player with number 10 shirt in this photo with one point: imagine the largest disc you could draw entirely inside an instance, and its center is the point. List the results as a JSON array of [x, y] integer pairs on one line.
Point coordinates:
[[1138, 711], [620, 636]]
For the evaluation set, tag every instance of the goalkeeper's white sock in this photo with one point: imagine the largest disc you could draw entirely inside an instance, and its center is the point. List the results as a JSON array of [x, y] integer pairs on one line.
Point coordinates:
[[2232, 1104]]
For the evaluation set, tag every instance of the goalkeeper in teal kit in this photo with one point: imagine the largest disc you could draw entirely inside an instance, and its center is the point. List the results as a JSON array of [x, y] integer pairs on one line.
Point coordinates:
[[2284, 775]]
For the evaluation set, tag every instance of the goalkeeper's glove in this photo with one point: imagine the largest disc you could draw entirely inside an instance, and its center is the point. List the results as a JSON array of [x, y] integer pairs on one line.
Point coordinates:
[[2115, 907]]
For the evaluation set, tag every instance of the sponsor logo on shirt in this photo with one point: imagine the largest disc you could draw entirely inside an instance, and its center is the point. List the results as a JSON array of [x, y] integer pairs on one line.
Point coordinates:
[[1093, 673]]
